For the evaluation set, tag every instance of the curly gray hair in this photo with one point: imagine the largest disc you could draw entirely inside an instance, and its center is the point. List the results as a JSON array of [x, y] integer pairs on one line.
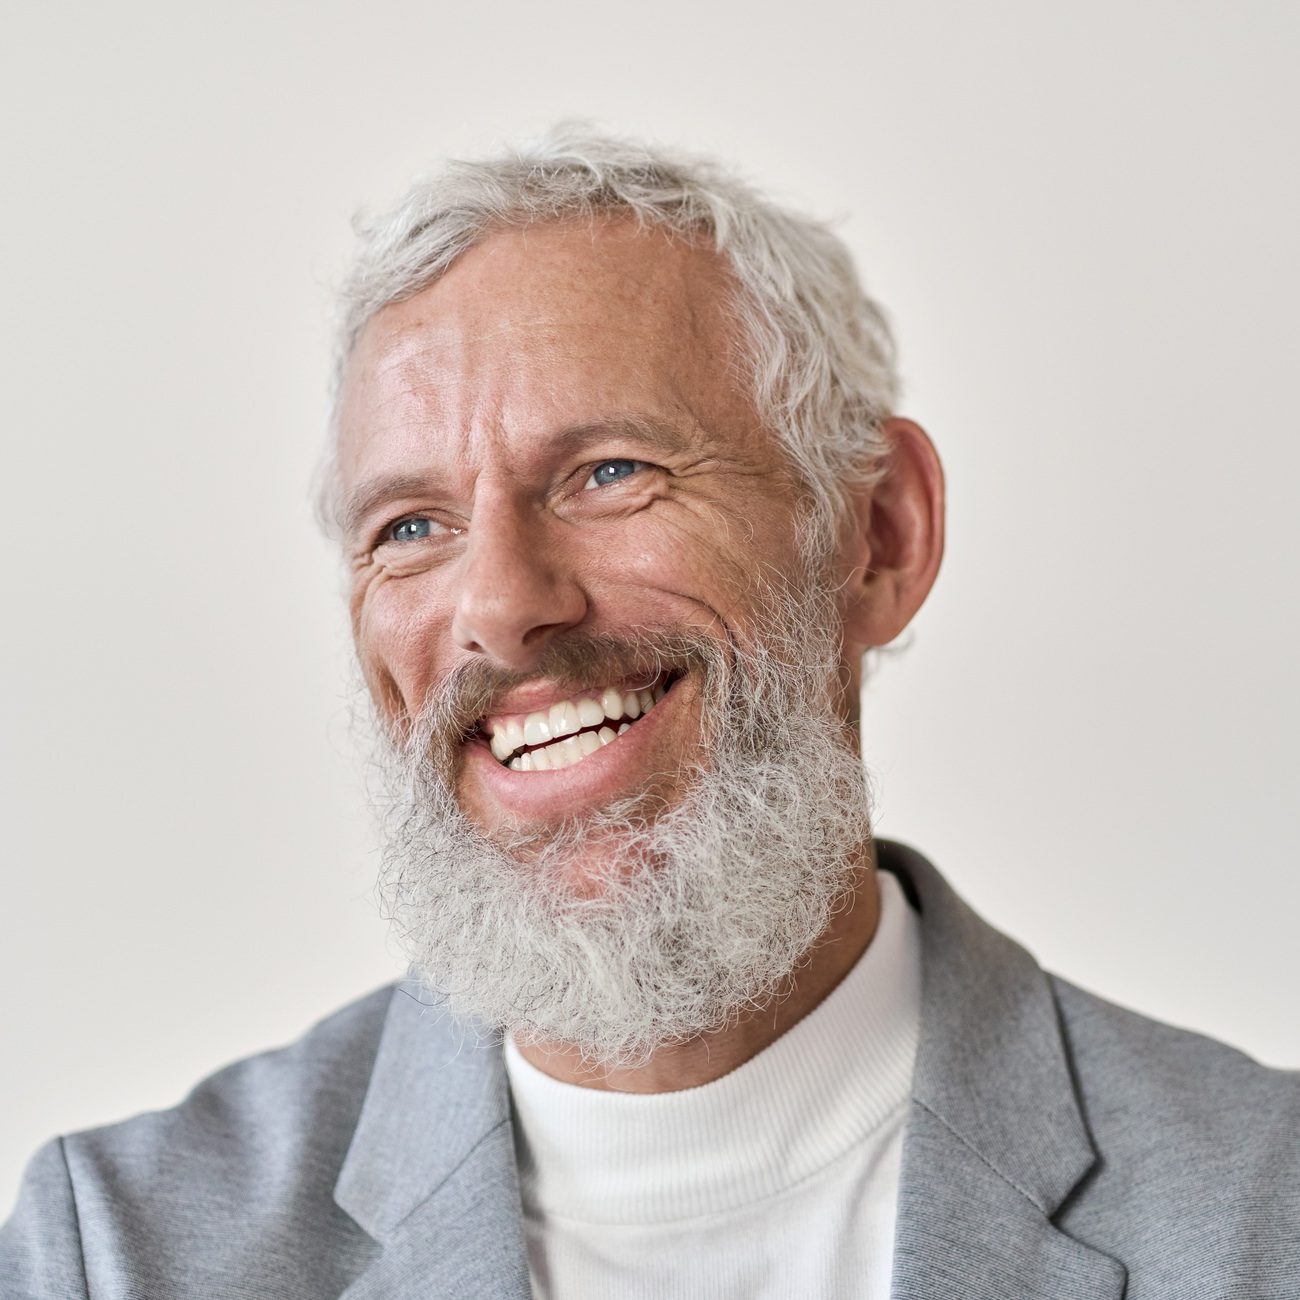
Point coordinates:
[[818, 351]]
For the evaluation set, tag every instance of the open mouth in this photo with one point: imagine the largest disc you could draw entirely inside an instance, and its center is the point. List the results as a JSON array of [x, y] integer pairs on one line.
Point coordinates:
[[571, 729]]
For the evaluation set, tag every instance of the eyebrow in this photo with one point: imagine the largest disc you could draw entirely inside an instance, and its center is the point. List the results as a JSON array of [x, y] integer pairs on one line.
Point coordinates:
[[636, 428], [367, 497]]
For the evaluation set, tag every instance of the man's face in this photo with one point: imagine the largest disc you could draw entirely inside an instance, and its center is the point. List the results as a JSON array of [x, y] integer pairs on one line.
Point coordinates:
[[561, 493], [551, 452]]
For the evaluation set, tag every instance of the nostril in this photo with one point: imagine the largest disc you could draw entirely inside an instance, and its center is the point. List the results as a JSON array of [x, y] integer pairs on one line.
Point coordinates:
[[512, 592]]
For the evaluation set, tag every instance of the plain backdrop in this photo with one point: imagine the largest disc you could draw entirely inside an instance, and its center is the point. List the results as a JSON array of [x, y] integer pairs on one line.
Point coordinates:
[[1082, 219]]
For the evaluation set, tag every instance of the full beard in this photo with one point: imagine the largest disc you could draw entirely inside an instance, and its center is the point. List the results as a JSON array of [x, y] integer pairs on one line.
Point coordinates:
[[682, 918]]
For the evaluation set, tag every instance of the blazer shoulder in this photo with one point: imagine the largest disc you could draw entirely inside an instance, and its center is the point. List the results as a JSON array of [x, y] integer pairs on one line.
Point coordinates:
[[248, 1160], [1126, 1060], [40, 1245], [1198, 1146], [288, 1092]]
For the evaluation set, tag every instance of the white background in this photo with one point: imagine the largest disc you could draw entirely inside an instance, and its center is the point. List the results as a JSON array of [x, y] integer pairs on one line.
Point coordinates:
[[1082, 219]]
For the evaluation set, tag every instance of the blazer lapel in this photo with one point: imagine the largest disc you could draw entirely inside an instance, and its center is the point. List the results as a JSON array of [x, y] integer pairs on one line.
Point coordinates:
[[995, 1140], [430, 1174]]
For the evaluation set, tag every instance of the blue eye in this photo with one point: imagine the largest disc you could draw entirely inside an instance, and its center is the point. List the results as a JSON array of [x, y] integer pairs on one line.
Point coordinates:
[[410, 530], [611, 471]]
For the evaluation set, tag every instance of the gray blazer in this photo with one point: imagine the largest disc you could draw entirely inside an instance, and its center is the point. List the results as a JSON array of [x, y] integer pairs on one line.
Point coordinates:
[[1057, 1146]]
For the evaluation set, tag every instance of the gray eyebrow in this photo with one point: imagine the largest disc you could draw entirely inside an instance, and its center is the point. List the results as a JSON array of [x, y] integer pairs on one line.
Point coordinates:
[[656, 433], [368, 496]]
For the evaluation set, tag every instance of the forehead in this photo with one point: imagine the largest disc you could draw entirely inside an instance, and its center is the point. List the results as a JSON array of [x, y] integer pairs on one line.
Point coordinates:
[[541, 328]]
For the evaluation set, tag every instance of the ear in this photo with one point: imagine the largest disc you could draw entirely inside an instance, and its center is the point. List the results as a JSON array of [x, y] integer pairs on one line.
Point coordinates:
[[892, 552]]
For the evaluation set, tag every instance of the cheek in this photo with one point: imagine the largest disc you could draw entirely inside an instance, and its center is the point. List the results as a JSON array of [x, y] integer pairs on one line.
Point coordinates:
[[715, 568], [400, 627], [652, 580]]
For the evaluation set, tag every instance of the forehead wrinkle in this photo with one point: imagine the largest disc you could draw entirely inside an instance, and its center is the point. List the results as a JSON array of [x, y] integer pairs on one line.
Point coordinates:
[[449, 371], [414, 378]]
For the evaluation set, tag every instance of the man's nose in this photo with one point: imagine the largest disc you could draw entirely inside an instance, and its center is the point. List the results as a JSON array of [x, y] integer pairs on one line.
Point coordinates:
[[516, 591]]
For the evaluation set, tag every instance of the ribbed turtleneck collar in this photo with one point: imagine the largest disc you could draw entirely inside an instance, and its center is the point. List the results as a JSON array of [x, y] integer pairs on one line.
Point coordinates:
[[808, 1098]]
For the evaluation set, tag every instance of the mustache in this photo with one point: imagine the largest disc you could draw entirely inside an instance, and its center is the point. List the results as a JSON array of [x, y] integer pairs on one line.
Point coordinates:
[[456, 704]]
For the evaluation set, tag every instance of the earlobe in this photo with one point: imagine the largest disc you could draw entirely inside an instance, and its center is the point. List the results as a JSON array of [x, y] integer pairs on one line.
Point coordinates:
[[897, 539]]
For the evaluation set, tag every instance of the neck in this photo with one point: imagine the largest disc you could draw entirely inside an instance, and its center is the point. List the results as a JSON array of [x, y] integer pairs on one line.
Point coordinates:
[[701, 1060]]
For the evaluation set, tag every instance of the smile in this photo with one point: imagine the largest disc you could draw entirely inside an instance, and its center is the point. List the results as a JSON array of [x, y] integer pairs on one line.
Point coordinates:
[[569, 730]]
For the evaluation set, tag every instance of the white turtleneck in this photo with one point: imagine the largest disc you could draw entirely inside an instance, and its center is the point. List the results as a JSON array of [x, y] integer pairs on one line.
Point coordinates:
[[779, 1179]]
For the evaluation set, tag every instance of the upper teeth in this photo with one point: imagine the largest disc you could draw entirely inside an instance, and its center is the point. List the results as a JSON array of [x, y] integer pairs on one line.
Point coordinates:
[[566, 719]]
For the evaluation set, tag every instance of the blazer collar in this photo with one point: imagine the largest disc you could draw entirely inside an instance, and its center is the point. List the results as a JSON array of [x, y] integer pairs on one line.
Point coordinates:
[[995, 1139], [430, 1173]]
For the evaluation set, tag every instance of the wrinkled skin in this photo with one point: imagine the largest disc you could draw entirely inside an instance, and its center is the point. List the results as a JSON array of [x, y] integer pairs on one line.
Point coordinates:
[[473, 421]]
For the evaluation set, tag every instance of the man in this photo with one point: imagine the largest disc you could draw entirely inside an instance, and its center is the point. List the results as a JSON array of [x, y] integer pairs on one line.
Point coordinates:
[[625, 501]]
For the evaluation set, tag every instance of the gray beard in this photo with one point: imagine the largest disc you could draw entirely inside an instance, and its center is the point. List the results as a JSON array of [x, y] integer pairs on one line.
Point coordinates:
[[688, 915]]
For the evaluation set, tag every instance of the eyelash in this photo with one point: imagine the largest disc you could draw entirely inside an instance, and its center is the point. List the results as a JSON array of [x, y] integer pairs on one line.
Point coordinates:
[[614, 460], [385, 533]]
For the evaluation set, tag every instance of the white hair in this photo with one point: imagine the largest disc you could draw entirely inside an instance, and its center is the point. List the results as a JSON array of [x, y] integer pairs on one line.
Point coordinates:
[[817, 350], [690, 915]]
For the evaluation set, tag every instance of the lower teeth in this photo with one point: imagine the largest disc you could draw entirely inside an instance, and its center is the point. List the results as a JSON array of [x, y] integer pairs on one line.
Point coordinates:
[[574, 748], [566, 752]]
